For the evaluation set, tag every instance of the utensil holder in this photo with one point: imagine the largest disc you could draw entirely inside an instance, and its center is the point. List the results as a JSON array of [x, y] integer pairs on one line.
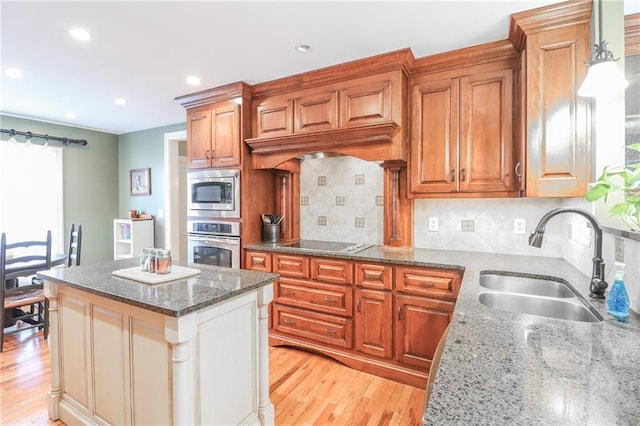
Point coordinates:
[[270, 232]]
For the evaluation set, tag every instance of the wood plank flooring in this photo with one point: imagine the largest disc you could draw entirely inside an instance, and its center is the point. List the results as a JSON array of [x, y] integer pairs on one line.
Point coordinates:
[[306, 389]]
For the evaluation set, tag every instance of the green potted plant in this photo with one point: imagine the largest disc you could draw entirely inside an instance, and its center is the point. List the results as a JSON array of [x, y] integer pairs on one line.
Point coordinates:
[[626, 182]]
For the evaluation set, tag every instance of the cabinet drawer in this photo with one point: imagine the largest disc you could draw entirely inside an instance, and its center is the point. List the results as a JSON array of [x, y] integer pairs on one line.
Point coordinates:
[[428, 282], [291, 266], [322, 328], [257, 261], [333, 271], [373, 276], [329, 298]]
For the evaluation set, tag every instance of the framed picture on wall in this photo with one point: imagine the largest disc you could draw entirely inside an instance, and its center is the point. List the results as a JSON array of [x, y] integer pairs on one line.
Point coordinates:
[[140, 181]]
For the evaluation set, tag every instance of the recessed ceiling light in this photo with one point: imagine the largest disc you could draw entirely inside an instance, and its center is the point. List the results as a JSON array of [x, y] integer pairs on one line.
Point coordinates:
[[120, 101], [13, 73], [80, 34], [304, 48], [193, 80], [70, 115]]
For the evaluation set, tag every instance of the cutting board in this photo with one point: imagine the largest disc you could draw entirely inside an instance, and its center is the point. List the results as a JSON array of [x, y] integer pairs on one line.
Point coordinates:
[[136, 274]]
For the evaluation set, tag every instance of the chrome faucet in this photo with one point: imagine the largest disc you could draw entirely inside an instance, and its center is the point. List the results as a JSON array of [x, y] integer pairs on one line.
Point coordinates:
[[598, 284]]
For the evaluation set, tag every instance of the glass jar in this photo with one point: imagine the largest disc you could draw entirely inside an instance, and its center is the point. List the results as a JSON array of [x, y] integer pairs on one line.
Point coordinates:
[[163, 261], [144, 259]]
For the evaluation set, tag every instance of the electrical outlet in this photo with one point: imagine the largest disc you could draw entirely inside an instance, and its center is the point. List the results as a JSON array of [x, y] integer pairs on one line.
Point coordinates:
[[160, 213], [467, 225], [519, 226], [433, 224], [619, 250]]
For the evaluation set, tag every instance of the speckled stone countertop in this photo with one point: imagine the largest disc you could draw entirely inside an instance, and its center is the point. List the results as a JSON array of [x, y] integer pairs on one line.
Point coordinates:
[[503, 368], [173, 298]]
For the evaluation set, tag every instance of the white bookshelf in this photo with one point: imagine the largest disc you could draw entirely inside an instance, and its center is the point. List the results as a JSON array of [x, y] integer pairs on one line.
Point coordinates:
[[130, 236]]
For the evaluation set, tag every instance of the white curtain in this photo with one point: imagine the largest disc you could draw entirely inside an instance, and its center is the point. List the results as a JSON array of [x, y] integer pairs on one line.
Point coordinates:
[[31, 200]]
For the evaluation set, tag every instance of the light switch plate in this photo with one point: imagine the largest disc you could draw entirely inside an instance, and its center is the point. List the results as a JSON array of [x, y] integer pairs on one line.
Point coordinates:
[[519, 226], [433, 224], [467, 225]]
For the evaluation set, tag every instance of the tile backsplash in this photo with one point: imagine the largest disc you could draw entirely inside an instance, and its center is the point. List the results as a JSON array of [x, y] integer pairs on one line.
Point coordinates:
[[341, 199]]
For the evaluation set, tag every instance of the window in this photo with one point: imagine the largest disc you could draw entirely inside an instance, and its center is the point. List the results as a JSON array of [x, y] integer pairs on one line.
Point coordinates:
[[31, 193]]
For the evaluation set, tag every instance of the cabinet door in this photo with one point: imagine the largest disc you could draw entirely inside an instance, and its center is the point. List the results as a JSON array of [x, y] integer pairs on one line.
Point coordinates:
[[558, 126], [257, 261], [367, 103], [225, 136], [199, 136], [486, 135], [373, 319], [274, 117], [420, 323], [434, 136], [316, 112]]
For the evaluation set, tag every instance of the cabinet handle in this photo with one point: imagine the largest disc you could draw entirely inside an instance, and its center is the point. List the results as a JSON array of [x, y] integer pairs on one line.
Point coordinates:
[[328, 330], [358, 305], [516, 170], [289, 293], [370, 276], [463, 174], [289, 321], [329, 299], [206, 154], [213, 154], [452, 175], [399, 312], [426, 284]]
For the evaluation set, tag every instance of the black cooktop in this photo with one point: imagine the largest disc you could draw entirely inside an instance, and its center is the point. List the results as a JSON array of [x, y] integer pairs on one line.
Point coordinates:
[[328, 246]]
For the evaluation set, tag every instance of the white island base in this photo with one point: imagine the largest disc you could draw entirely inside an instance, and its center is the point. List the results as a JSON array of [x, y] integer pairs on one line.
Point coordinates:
[[114, 363]]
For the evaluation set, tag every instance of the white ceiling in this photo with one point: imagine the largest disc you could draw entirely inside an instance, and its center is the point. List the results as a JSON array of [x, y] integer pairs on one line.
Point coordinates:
[[143, 51]]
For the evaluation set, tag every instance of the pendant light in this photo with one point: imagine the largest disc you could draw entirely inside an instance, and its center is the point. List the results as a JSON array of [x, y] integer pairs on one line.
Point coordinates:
[[603, 77]]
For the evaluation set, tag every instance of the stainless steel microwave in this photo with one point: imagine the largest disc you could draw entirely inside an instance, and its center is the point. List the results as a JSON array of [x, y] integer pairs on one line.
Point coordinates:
[[214, 193]]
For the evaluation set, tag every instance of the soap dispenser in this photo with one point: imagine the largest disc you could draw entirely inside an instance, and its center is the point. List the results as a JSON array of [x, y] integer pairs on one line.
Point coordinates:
[[618, 300]]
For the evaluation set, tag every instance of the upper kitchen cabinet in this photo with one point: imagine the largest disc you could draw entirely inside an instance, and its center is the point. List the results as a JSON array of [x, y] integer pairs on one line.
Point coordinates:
[[213, 126], [213, 134], [555, 41], [462, 123], [357, 109]]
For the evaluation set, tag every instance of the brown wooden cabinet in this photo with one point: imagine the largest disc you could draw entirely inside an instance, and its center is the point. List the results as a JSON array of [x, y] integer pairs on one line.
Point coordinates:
[[419, 325], [213, 134], [462, 138], [273, 117], [383, 318], [316, 111], [365, 101]]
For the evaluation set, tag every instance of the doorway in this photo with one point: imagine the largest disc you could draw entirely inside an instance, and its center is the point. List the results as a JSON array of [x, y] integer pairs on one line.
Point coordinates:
[[175, 194]]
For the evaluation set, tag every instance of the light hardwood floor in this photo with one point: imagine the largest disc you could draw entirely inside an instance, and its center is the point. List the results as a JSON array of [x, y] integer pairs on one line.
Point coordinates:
[[306, 389]]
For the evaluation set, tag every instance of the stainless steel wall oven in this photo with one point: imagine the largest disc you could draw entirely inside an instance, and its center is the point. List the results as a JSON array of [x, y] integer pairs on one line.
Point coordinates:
[[214, 242]]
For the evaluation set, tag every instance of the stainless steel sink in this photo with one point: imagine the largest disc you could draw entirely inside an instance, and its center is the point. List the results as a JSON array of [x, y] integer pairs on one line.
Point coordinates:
[[544, 297], [526, 285], [566, 309]]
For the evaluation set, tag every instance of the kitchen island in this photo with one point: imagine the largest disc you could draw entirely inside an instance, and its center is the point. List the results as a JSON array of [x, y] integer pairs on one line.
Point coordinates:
[[187, 351], [499, 367]]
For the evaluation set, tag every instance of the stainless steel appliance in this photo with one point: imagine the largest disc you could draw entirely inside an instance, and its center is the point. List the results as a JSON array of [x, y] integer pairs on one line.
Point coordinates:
[[327, 246], [214, 193], [212, 242]]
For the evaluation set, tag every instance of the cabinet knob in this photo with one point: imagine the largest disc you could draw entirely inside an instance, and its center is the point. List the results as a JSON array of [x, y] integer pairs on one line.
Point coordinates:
[[452, 175], [289, 321], [329, 299], [329, 331]]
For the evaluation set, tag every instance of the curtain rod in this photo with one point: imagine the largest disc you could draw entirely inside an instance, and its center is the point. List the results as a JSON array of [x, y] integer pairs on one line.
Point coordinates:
[[29, 135]]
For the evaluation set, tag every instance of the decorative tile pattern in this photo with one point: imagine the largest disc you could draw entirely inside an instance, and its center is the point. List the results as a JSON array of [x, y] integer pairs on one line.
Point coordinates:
[[379, 200], [304, 201], [322, 180], [339, 200], [359, 222], [322, 220], [359, 180]]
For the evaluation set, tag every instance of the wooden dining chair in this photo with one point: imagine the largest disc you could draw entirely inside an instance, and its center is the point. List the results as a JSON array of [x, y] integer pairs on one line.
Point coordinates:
[[23, 302], [75, 246]]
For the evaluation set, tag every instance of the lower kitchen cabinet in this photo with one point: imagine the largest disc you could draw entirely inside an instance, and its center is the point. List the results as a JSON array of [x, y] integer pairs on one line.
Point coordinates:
[[374, 314], [385, 319], [420, 323]]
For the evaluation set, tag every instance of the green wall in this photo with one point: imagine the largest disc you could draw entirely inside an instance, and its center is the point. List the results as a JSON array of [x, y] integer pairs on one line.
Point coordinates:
[[90, 183], [139, 150]]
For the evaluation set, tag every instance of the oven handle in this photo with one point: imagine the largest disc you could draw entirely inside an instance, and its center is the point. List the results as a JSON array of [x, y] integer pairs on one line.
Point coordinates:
[[223, 240]]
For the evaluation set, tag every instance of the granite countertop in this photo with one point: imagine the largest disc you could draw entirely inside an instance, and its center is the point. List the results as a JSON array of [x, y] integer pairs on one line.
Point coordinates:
[[499, 367], [173, 298]]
